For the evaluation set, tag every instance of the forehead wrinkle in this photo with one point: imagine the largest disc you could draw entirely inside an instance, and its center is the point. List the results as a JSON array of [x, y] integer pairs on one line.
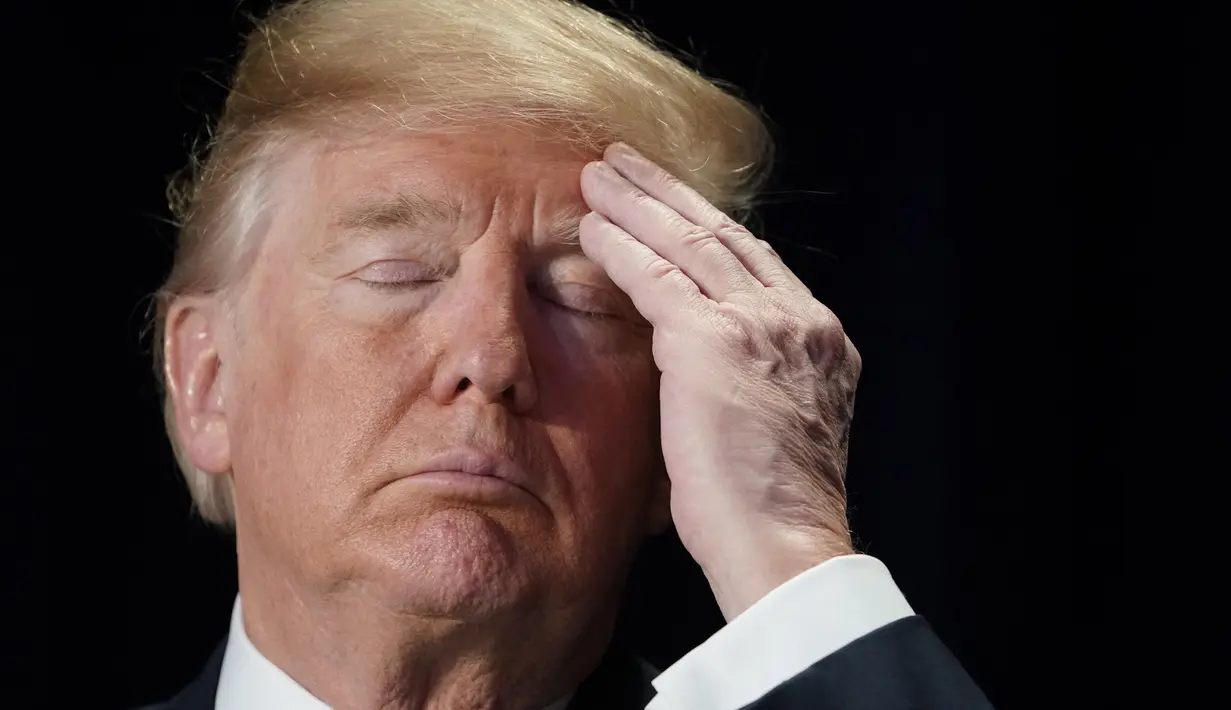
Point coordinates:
[[371, 214]]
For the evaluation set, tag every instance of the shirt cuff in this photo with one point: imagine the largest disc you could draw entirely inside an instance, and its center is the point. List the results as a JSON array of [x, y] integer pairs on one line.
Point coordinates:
[[797, 624]]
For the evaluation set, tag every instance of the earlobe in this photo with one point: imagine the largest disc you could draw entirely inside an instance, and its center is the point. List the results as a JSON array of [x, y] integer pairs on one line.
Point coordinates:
[[192, 367]]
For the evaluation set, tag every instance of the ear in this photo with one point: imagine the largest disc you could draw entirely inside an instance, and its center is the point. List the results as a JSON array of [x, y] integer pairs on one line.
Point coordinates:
[[659, 517], [192, 369]]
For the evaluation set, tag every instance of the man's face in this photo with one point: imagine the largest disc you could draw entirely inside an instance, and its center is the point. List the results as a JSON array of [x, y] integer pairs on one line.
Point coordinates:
[[417, 296]]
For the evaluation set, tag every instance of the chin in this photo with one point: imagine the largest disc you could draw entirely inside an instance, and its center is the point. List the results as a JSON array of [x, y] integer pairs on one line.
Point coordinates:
[[459, 563]]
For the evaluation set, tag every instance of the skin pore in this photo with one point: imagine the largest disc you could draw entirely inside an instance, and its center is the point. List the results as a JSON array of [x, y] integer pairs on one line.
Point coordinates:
[[414, 295]]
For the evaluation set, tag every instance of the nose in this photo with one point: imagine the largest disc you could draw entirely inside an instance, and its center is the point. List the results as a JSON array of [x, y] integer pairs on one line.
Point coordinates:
[[487, 358]]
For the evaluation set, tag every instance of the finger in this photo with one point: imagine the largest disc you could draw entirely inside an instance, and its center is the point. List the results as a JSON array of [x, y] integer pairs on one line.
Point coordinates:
[[790, 275], [695, 250], [659, 290], [689, 204]]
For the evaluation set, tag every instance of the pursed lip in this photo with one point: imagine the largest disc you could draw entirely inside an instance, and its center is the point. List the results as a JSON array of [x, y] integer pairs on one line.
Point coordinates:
[[478, 463]]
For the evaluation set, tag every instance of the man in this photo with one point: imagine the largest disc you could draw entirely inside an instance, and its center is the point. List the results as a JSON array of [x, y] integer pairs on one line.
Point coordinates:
[[444, 347]]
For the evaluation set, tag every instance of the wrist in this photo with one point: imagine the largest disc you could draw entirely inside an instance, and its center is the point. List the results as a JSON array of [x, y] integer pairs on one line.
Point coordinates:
[[739, 581]]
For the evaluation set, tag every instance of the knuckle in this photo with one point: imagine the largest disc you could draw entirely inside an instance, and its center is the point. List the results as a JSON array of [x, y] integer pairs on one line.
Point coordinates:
[[732, 328], [730, 227], [697, 237], [826, 339], [828, 325], [853, 358], [661, 269]]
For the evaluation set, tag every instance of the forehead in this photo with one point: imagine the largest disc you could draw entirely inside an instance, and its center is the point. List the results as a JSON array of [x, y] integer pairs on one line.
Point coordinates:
[[450, 174]]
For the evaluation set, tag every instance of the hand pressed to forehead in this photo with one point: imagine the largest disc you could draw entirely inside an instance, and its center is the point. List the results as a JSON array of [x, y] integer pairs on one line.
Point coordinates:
[[679, 225], [758, 378]]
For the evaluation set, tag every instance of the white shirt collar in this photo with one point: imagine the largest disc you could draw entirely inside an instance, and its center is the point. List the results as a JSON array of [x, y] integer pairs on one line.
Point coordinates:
[[250, 681]]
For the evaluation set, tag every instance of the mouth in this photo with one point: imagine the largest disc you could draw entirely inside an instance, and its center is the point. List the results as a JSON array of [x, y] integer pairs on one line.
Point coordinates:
[[473, 473], [461, 481]]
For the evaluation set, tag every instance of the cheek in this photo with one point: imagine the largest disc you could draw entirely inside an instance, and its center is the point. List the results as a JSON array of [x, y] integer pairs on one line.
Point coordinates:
[[607, 425], [320, 396]]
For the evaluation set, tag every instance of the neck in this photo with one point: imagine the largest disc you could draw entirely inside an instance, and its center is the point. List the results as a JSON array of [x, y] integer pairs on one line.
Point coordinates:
[[354, 652]]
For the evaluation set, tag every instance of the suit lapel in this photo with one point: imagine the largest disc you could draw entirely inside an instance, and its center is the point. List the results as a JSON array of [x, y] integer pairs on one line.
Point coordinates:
[[621, 682], [199, 695]]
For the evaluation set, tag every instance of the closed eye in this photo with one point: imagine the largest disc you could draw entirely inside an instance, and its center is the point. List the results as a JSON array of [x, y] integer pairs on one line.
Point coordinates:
[[398, 285], [596, 315], [580, 300], [576, 299], [397, 275]]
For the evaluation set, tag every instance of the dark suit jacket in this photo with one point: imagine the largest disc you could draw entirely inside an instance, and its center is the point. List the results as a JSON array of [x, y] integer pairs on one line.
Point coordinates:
[[902, 666]]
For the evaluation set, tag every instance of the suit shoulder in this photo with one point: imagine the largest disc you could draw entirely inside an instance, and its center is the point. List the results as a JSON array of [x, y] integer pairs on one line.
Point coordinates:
[[199, 694], [901, 665]]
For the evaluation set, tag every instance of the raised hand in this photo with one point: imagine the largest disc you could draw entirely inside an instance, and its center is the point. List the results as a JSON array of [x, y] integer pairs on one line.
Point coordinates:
[[758, 378]]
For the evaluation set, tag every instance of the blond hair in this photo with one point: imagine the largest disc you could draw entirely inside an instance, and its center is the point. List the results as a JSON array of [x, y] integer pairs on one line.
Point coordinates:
[[430, 65]]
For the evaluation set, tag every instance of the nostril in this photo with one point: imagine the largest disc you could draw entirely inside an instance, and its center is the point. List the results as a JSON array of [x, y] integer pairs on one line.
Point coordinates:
[[463, 385], [509, 393]]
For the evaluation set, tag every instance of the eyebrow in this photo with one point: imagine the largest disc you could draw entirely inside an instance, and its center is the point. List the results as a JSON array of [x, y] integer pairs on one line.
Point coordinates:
[[399, 210], [563, 230]]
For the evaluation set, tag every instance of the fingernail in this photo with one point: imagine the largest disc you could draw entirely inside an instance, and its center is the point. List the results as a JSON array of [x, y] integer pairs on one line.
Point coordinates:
[[604, 170], [624, 150]]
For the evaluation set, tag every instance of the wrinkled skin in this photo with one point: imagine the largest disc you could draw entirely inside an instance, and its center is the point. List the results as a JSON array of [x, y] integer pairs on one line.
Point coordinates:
[[416, 294], [758, 379]]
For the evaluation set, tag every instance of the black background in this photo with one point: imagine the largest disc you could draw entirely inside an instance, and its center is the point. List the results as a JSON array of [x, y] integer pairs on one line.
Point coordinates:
[[970, 186]]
